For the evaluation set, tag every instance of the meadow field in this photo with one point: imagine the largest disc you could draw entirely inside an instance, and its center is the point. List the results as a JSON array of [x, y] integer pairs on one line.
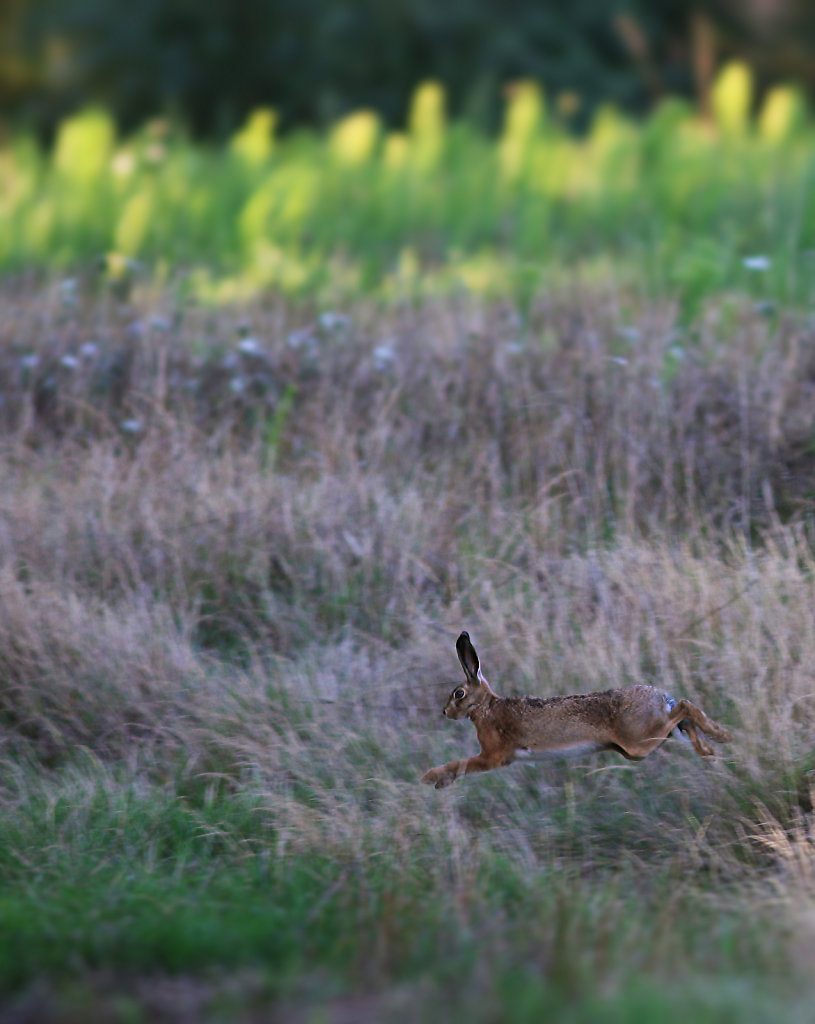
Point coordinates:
[[254, 485]]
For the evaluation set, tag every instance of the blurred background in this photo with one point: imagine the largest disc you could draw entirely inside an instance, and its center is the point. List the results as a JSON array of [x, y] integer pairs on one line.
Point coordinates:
[[208, 62]]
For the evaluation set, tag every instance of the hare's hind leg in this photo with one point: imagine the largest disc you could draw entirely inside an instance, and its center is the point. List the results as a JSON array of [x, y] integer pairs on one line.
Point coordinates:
[[691, 734], [692, 720]]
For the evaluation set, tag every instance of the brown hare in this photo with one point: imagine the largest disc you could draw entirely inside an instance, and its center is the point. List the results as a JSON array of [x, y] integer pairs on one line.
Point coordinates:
[[633, 721]]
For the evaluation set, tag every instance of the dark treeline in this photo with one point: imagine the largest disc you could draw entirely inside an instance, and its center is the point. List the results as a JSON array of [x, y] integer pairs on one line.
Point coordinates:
[[209, 61]]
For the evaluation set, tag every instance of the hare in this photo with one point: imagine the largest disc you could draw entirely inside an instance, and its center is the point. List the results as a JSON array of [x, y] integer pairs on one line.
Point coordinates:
[[633, 721]]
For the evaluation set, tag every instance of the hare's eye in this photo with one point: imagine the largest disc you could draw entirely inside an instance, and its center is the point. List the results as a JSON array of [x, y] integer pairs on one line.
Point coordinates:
[[460, 693]]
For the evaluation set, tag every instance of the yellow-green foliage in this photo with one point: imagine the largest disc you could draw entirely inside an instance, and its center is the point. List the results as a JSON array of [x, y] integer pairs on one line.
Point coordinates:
[[395, 151], [253, 144], [277, 208], [426, 125], [731, 99], [523, 121], [782, 115], [84, 146], [134, 223], [353, 140], [337, 211]]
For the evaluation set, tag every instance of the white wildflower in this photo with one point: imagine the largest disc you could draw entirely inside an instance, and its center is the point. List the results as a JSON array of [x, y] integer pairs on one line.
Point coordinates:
[[332, 321], [757, 262], [132, 426], [297, 339], [69, 362], [250, 347], [383, 356]]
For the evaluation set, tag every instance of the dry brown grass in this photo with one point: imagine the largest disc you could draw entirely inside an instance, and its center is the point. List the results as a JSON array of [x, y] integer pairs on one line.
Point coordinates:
[[255, 588]]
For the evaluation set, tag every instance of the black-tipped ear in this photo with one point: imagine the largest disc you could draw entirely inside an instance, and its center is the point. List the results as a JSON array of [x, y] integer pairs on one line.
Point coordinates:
[[467, 656]]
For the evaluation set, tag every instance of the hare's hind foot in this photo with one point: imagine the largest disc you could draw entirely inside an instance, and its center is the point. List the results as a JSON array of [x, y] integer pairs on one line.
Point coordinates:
[[693, 736], [695, 723]]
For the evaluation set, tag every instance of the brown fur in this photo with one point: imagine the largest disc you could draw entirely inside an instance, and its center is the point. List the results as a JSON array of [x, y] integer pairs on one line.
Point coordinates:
[[632, 721]]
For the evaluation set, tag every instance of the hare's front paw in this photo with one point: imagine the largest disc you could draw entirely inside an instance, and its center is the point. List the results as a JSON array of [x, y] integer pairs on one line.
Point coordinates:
[[438, 777], [431, 776]]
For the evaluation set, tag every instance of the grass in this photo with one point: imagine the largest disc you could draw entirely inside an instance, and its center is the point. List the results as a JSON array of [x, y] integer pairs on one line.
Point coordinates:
[[144, 887], [674, 205], [330, 400], [237, 548]]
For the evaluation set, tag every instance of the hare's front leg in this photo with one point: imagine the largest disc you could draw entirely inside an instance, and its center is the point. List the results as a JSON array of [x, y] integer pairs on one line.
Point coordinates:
[[446, 774], [441, 776]]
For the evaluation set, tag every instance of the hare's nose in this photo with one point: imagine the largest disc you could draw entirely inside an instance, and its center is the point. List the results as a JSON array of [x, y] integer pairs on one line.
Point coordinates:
[[444, 712]]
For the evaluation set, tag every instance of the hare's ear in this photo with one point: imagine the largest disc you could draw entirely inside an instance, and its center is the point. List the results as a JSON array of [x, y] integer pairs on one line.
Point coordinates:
[[467, 656]]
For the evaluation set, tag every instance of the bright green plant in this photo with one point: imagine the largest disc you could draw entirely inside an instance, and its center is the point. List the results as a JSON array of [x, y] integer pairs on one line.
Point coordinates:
[[348, 212]]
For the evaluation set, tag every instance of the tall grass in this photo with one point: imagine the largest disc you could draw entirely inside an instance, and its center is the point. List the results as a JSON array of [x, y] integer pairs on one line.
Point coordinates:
[[236, 550], [674, 204]]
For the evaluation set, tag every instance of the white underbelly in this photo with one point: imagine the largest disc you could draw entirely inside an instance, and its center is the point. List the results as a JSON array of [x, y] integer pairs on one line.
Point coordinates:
[[572, 750]]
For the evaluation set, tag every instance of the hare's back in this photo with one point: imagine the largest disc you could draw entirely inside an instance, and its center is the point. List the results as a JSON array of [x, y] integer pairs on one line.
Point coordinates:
[[589, 719]]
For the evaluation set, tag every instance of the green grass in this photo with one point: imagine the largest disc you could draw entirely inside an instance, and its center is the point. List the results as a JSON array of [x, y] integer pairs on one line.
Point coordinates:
[[135, 884], [672, 206]]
